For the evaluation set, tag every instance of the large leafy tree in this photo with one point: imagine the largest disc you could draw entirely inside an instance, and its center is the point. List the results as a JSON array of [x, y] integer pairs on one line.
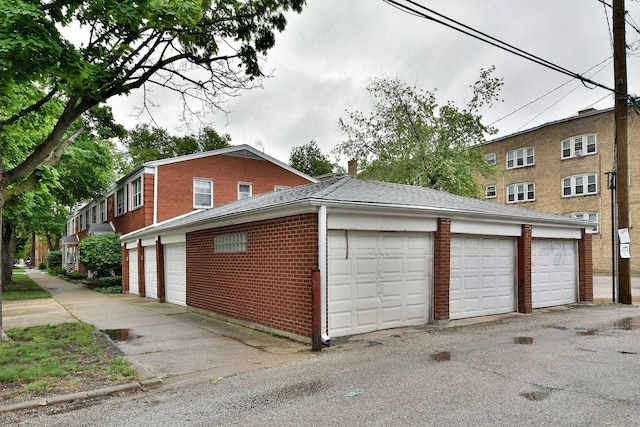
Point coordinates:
[[309, 159], [80, 53], [145, 143], [410, 139]]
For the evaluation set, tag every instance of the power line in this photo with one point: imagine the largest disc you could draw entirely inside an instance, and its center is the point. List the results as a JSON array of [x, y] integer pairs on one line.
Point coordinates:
[[478, 35]]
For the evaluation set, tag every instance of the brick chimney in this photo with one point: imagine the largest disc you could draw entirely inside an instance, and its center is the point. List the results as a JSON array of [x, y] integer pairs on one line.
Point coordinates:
[[352, 168]]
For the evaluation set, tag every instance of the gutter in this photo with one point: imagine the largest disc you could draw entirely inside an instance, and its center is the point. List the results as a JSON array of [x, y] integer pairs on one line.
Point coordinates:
[[322, 266]]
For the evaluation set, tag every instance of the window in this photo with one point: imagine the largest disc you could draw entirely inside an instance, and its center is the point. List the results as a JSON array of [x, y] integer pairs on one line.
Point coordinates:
[[103, 211], [490, 191], [579, 185], [522, 192], [244, 190], [80, 224], [520, 158], [580, 145], [280, 187], [136, 193], [202, 193], [87, 216], [94, 214], [588, 216], [491, 158], [121, 201], [234, 242]]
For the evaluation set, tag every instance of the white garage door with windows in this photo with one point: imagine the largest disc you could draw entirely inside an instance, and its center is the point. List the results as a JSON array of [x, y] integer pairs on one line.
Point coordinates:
[[175, 270], [553, 272], [133, 272], [483, 271], [150, 272], [378, 280]]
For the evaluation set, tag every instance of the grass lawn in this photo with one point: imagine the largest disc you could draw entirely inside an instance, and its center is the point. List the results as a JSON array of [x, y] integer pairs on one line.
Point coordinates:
[[58, 359], [23, 288]]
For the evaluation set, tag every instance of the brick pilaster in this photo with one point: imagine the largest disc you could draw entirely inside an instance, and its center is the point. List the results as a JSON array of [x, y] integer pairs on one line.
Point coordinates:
[[585, 268], [141, 286], [160, 270], [125, 270], [524, 270], [442, 272]]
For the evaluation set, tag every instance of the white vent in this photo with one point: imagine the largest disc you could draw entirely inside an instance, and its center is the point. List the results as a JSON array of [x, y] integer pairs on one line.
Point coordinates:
[[578, 152]]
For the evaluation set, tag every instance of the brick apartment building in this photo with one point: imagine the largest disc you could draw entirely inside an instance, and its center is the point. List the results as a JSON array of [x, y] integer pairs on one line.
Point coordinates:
[[560, 167]]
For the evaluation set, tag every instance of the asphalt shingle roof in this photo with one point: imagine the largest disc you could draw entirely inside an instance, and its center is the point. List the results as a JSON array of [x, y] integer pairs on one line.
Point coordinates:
[[374, 193]]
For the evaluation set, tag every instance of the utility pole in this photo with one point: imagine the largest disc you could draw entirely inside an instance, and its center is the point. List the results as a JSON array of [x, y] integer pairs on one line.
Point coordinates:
[[621, 141]]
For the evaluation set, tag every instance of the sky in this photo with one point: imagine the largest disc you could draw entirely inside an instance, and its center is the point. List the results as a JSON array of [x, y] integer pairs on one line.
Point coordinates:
[[324, 60]]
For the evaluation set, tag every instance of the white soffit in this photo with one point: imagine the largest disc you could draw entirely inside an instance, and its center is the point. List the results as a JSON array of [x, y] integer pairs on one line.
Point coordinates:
[[463, 226], [343, 221], [556, 232]]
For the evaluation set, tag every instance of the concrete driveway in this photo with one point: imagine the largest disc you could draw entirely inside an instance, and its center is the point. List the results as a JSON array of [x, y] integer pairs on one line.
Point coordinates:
[[160, 340]]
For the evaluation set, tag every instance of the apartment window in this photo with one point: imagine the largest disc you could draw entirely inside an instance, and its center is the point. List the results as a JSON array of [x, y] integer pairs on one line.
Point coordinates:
[[233, 242], [121, 201], [280, 187], [490, 191], [588, 216], [520, 158], [103, 211], [80, 223], [87, 216], [491, 158], [94, 214], [522, 192], [202, 193], [580, 145], [244, 190], [579, 185], [136, 193]]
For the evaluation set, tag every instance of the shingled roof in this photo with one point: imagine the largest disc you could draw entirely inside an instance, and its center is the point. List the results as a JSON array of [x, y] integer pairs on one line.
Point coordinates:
[[347, 191]]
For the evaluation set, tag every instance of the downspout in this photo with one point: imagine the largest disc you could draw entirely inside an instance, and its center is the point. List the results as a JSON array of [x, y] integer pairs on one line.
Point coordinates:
[[322, 266], [155, 195]]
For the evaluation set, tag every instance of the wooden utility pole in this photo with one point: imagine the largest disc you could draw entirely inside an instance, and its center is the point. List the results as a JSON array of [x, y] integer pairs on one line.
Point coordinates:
[[622, 142]]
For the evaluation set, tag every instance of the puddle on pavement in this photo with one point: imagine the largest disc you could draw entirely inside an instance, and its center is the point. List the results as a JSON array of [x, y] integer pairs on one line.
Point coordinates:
[[523, 340], [536, 395], [627, 324], [441, 356], [627, 352], [374, 343], [120, 334], [588, 332]]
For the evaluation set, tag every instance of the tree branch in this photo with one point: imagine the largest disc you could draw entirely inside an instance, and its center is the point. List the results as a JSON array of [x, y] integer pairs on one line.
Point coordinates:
[[30, 109]]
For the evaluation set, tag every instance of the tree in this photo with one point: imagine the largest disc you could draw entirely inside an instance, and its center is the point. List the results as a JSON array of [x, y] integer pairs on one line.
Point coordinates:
[[409, 139], [101, 254], [309, 159], [145, 143], [204, 50]]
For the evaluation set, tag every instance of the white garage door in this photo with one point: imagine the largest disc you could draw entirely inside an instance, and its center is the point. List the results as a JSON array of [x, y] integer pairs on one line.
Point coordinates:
[[175, 270], [482, 276], [150, 272], [377, 280], [133, 271], [553, 272]]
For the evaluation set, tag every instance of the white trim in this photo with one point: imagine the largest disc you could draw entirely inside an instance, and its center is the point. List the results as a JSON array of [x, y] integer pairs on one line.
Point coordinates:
[[149, 241], [250, 189], [168, 239], [539, 231], [210, 181], [372, 221], [461, 226], [322, 265], [131, 245], [155, 195]]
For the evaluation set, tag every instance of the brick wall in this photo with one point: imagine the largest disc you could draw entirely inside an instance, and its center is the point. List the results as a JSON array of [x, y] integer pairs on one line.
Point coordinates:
[[269, 284], [442, 271], [525, 302], [125, 270], [175, 181], [585, 269]]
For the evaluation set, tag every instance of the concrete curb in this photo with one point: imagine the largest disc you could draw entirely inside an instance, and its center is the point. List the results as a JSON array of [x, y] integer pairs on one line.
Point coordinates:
[[38, 403]]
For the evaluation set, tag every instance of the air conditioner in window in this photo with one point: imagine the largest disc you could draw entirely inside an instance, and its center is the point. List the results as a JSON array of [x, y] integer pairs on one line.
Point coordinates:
[[578, 152]]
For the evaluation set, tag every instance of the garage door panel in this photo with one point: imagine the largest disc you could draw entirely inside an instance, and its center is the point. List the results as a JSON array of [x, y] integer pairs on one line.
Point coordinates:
[[553, 271], [150, 272], [133, 272], [391, 272], [176, 274]]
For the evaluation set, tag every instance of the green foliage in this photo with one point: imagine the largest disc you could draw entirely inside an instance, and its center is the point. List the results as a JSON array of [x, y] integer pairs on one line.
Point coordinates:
[[23, 288], [54, 259], [101, 254], [106, 282], [76, 276], [42, 265], [145, 143], [309, 159], [110, 290], [410, 139]]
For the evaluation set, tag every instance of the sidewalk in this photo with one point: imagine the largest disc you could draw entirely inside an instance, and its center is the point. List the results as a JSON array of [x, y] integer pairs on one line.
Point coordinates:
[[603, 292], [162, 341]]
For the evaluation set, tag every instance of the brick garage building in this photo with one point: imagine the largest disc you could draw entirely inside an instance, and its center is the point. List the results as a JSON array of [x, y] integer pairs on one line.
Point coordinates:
[[560, 167], [387, 256]]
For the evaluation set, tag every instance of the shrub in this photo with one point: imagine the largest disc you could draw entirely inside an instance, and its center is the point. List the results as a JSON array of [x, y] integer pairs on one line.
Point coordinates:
[[107, 282], [110, 290], [42, 265], [54, 259], [76, 276], [101, 254]]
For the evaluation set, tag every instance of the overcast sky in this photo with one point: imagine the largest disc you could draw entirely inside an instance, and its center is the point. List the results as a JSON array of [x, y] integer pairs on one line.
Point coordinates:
[[327, 55]]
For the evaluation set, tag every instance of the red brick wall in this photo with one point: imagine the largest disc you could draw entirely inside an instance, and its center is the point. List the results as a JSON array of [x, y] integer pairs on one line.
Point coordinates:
[[525, 302], [175, 181], [130, 221], [147, 194], [585, 268], [442, 271], [269, 284], [125, 270]]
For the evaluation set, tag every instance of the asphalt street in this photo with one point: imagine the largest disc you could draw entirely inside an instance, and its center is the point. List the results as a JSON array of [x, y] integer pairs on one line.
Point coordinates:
[[566, 366]]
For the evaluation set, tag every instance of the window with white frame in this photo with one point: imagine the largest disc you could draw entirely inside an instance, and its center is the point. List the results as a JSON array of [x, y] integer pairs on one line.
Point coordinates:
[[136, 193], [580, 145], [521, 192], [232, 242], [103, 211], [520, 158], [94, 214], [588, 216], [579, 185], [491, 158], [80, 223], [490, 191], [121, 201], [280, 187], [202, 193], [244, 190], [87, 217]]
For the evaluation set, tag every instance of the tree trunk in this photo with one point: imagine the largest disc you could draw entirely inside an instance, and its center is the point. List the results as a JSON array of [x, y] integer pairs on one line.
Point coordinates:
[[7, 255], [3, 336]]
